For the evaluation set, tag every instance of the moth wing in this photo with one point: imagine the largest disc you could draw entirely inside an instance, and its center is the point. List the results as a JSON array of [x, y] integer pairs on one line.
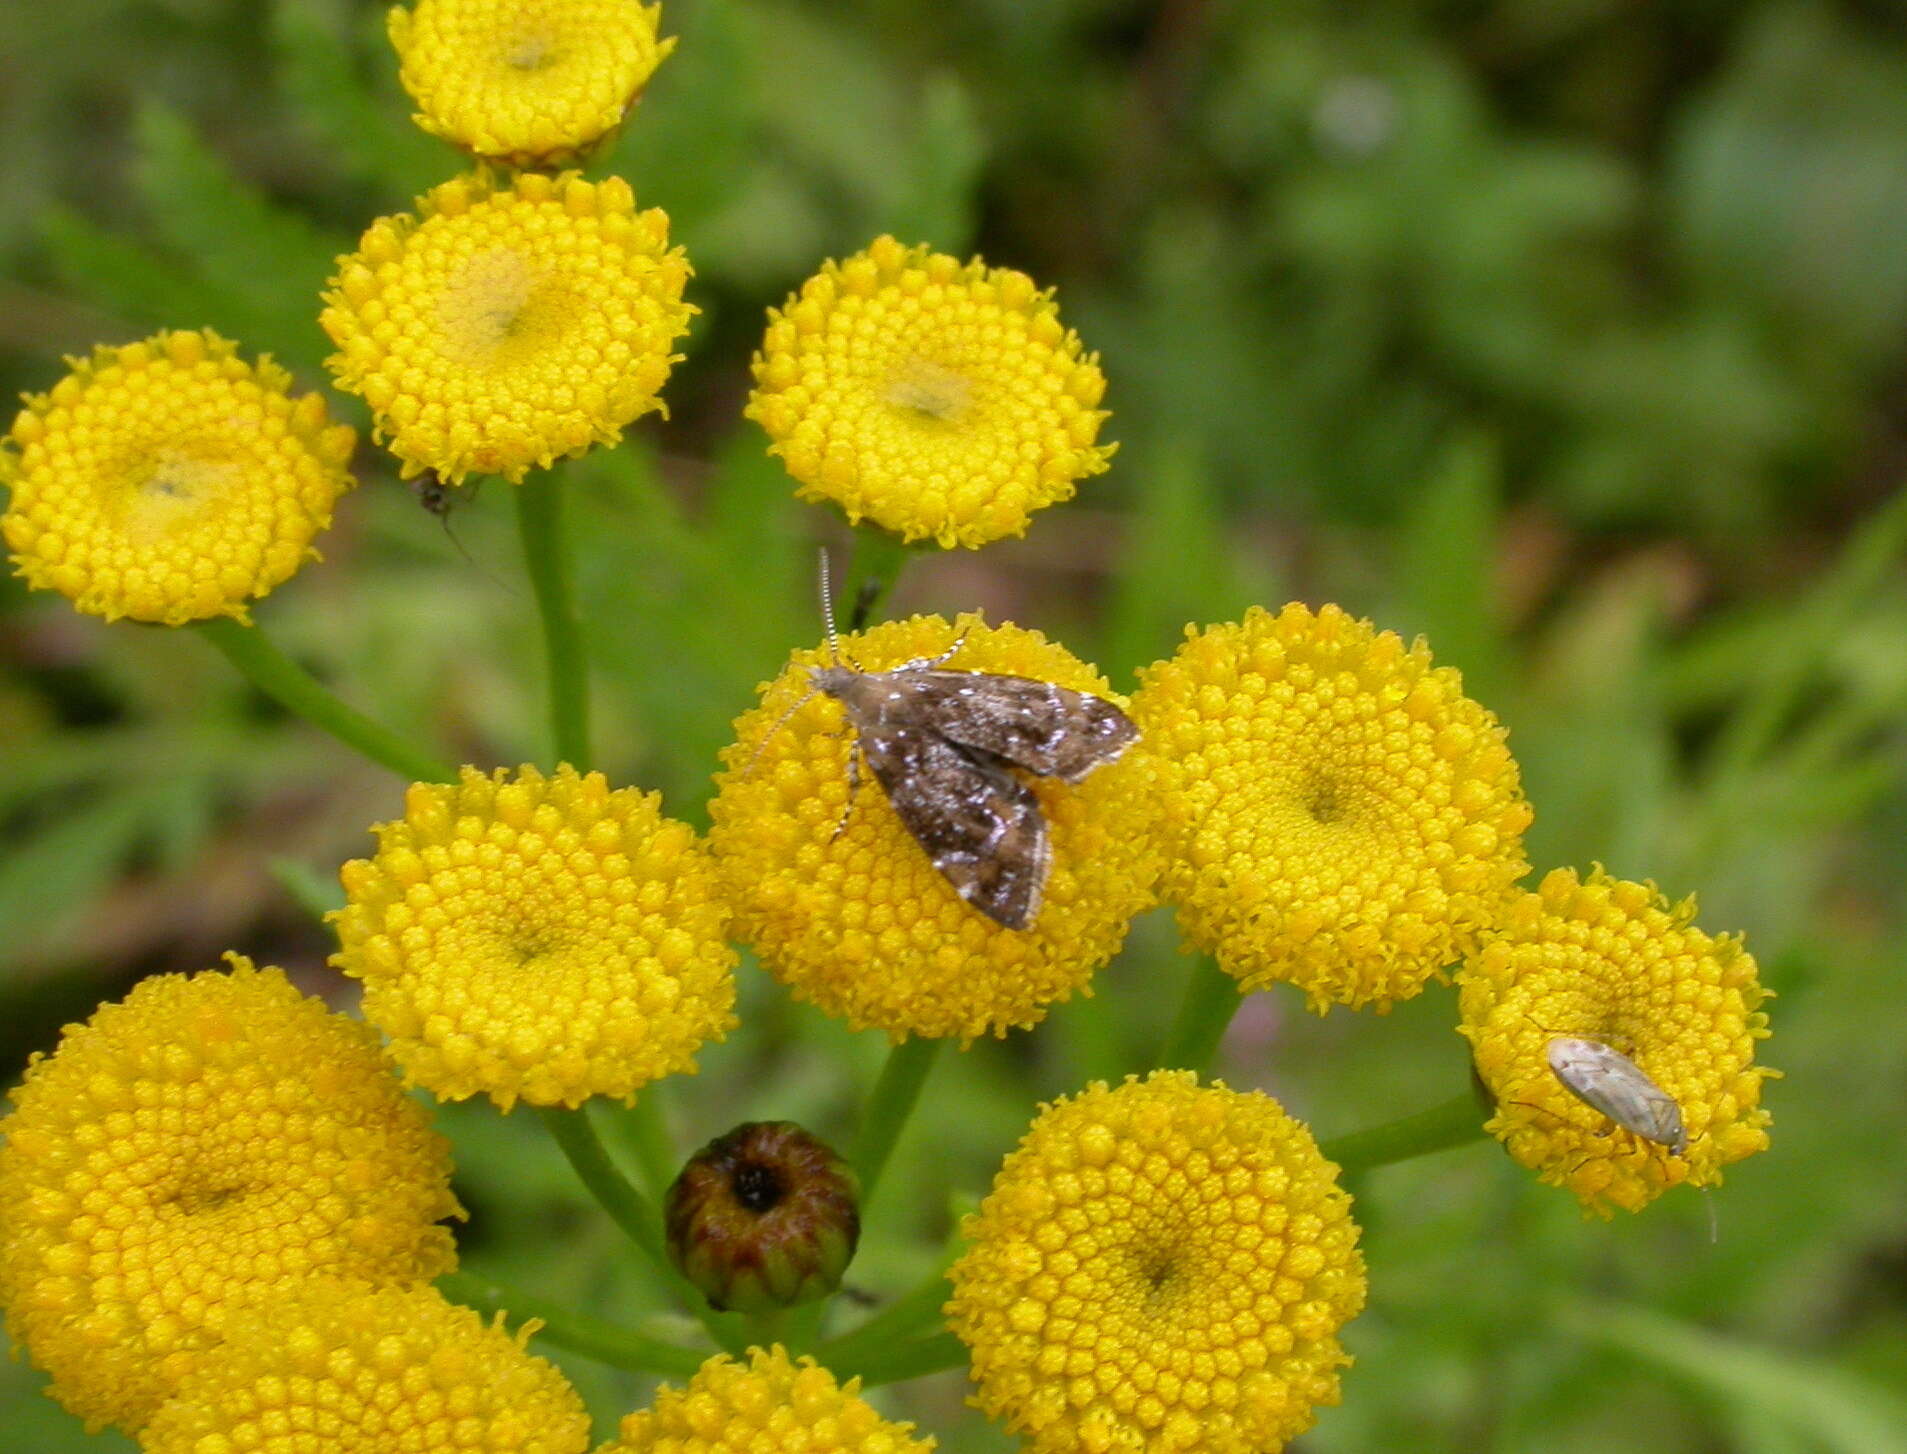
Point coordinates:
[[1049, 730], [980, 826]]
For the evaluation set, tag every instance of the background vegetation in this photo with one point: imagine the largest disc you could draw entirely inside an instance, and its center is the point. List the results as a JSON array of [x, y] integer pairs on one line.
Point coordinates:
[[1567, 332]]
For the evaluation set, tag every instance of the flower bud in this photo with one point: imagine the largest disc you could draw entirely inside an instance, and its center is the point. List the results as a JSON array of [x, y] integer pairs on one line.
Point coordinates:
[[764, 1217]]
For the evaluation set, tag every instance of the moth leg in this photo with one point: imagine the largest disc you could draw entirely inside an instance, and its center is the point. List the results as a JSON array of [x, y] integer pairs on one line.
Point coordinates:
[[854, 787], [934, 661]]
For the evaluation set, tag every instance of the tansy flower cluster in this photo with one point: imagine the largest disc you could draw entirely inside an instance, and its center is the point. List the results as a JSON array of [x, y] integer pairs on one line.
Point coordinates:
[[543, 938], [169, 480], [530, 83], [1605, 960], [1343, 816], [941, 400], [770, 1402], [1159, 1266], [840, 903], [508, 324], [196, 1149]]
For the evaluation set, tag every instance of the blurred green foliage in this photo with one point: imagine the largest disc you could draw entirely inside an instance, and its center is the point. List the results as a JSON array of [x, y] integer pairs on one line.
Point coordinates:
[[1567, 332]]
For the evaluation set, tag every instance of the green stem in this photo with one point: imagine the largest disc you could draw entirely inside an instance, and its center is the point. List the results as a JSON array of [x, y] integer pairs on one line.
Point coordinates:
[[647, 1134], [1457, 1122], [539, 518], [595, 1338], [910, 1360], [1211, 999], [299, 692], [892, 1325], [895, 1095], [876, 566], [631, 1211]]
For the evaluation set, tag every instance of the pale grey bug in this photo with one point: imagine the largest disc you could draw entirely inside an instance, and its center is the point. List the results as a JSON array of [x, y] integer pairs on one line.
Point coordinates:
[[1606, 1080]]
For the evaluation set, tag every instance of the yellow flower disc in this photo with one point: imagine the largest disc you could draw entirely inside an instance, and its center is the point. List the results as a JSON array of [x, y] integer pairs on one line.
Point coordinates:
[[547, 939], [193, 1149], [1613, 961], [508, 325], [942, 400], [530, 83], [1343, 816], [768, 1403], [170, 480], [845, 908], [1159, 1267], [337, 1369]]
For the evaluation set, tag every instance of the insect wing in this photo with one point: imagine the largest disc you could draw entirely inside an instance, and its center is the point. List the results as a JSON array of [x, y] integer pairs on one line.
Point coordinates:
[[980, 826], [1605, 1079], [1046, 729]]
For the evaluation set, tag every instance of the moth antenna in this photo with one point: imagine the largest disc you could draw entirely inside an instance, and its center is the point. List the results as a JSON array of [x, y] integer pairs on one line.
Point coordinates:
[[769, 736], [827, 610]]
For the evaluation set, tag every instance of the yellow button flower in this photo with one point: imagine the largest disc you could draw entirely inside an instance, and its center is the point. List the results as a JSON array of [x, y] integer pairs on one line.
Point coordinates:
[[508, 325], [336, 1369], [545, 939], [188, 1151], [942, 400], [530, 83], [1612, 961], [768, 1403], [1159, 1266], [845, 908], [1344, 817], [170, 480]]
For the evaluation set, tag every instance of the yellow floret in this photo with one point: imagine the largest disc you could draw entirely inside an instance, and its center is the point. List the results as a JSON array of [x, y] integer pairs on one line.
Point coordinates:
[[942, 400], [1613, 961], [332, 1368], [530, 83], [169, 480], [545, 939], [770, 1403], [508, 325], [1159, 1266], [1344, 818], [189, 1151], [845, 908]]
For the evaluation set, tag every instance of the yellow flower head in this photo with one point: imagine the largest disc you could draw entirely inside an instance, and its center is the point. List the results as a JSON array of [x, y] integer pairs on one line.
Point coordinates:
[[508, 325], [769, 1403], [1344, 817], [548, 939], [347, 1370], [942, 400], [170, 480], [530, 83], [1614, 962], [1159, 1266], [844, 907], [190, 1150]]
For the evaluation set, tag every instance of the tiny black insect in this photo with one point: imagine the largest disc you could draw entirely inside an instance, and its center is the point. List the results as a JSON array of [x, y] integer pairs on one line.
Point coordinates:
[[942, 745]]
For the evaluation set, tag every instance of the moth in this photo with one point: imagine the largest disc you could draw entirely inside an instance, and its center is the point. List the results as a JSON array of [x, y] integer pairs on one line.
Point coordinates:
[[944, 746], [1605, 1079]]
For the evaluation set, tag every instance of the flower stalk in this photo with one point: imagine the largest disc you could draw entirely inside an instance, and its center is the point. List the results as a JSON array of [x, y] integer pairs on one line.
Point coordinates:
[[303, 695], [895, 1095], [596, 1338], [541, 525], [1205, 1012], [1455, 1122]]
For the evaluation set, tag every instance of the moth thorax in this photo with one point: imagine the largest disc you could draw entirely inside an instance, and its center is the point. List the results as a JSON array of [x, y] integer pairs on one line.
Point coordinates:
[[834, 681]]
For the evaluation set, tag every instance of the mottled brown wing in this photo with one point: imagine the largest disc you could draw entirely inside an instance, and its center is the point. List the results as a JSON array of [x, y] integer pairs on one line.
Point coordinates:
[[980, 826], [1047, 729]]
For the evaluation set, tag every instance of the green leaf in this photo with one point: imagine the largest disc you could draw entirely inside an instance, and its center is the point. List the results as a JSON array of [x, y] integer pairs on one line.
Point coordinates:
[[126, 278], [268, 264], [1447, 558], [367, 137], [1816, 1401], [53, 871], [935, 198]]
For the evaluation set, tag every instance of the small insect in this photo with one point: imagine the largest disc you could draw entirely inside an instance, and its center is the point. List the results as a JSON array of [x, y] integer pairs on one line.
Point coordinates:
[[942, 745], [1606, 1080]]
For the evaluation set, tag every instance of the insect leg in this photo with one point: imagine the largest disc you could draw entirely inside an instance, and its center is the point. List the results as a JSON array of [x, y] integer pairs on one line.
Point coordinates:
[[854, 787]]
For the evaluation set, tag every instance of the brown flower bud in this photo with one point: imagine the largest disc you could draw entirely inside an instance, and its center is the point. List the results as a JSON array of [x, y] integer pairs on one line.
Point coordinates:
[[764, 1217]]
